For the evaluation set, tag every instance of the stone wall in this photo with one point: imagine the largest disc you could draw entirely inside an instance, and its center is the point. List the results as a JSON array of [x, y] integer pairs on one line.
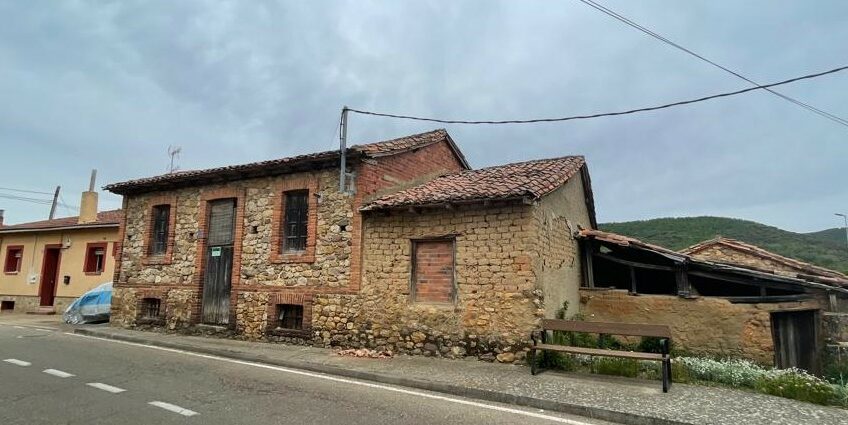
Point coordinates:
[[497, 302], [702, 326]]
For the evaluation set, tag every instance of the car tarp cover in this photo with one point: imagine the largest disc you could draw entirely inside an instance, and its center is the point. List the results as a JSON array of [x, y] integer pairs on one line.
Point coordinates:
[[93, 306]]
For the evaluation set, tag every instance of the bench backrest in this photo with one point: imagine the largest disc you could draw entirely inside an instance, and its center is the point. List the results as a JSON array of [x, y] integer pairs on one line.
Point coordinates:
[[627, 329]]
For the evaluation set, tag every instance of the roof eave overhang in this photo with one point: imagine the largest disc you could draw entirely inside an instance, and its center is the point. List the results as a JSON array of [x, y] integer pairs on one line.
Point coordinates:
[[450, 203], [57, 228], [227, 175]]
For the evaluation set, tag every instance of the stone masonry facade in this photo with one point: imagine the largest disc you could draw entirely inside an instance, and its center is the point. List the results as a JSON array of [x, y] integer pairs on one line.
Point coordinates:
[[480, 274]]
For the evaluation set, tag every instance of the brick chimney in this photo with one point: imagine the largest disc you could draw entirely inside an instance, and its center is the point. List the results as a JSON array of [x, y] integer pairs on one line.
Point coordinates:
[[88, 204]]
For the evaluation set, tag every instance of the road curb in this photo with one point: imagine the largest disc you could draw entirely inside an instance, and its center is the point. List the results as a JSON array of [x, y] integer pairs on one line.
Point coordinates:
[[457, 390]]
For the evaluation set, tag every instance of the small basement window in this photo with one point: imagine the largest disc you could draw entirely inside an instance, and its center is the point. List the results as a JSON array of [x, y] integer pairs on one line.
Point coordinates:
[[151, 308], [14, 259], [7, 305], [95, 258], [290, 316]]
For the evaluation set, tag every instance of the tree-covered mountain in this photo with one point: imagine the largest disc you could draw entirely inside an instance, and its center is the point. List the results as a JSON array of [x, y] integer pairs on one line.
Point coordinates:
[[822, 248]]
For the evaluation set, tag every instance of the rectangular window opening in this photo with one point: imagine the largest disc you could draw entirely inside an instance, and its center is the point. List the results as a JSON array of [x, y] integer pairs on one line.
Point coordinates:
[[14, 259], [161, 223], [95, 258], [150, 308], [295, 221], [290, 316], [7, 305]]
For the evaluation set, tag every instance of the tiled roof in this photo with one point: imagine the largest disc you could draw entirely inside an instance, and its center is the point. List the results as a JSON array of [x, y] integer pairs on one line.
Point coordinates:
[[686, 257], [762, 253], [531, 179], [105, 218], [283, 165]]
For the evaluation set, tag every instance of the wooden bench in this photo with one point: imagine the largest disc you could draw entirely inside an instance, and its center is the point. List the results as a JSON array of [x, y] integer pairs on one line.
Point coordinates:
[[540, 342]]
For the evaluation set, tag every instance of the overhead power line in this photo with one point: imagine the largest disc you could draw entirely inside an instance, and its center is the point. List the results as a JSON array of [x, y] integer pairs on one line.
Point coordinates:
[[605, 114], [25, 191], [607, 11]]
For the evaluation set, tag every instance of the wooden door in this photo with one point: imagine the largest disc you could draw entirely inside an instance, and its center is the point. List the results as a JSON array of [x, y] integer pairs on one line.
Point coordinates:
[[794, 334], [219, 262], [49, 275]]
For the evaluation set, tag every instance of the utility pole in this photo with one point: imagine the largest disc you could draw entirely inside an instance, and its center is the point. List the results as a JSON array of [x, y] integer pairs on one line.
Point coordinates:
[[845, 218], [343, 150], [55, 201]]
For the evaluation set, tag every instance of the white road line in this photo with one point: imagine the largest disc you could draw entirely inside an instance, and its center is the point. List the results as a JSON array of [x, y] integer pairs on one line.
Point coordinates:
[[44, 330], [58, 373], [173, 408], [104, 387], [348, 381], [17, 362], [18, 327]]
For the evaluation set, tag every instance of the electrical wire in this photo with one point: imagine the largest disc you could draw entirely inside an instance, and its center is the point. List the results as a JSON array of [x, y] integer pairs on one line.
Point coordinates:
[[606, 114], [26, 199], [607, 11], [25, 191]]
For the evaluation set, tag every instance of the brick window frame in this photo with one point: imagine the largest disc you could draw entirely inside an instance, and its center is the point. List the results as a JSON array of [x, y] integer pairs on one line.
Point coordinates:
[[149, 219], [272, 312], [308, 184], [12, 250], [414, 295], [89, 265], [142, 298]]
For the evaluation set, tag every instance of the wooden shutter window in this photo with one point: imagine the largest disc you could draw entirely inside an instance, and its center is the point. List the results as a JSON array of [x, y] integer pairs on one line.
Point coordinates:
[[296, 221], [159, 235]]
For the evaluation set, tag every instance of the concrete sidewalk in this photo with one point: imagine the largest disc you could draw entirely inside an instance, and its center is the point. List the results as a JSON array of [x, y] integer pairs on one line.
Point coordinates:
[[623, 400]]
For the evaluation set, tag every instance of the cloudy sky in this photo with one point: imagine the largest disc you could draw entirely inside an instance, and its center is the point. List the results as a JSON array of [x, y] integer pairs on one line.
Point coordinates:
[[110, 85]]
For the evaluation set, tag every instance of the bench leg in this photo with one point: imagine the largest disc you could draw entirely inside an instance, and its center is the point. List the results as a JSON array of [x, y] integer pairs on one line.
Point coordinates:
[[666, 376], [532, 355], [670, 380]]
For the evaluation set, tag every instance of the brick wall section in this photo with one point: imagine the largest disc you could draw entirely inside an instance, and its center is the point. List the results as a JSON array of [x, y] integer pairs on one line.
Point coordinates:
[[433, 271], [382, 175]]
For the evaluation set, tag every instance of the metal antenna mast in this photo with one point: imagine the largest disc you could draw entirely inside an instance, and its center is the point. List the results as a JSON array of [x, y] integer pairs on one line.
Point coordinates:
[[174, 152]]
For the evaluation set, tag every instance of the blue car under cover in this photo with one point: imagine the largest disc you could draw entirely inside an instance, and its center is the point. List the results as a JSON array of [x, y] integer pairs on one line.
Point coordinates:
[[93, 306]]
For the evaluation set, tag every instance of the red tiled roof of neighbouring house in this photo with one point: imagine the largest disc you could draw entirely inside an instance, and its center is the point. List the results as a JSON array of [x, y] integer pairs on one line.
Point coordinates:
[[104, 219], [531, 179], [326, 159], [762, 253]]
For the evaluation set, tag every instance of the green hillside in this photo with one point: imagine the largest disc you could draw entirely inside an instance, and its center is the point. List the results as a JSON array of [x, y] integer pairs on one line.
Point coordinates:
[[835, 235], [818, 248]]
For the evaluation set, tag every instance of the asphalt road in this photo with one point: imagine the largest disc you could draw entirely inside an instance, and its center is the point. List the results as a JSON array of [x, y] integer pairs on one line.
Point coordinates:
[[48, 376]]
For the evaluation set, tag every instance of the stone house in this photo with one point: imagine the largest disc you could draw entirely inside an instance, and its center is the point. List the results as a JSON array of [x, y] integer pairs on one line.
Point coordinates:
[[720, 298], [418, 254], [49, 263]]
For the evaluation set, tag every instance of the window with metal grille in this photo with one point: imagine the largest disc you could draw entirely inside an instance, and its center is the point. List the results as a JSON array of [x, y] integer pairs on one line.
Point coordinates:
[[95, 258], [150, 308], [159, 235], [14, 259], [290, 316], [296, 221]]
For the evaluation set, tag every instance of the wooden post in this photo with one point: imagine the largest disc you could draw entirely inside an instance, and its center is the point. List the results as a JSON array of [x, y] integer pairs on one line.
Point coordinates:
[[632, 280], [588, 272]]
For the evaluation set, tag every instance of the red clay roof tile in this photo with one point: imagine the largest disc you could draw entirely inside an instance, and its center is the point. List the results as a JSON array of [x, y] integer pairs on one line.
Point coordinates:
[[104, 218], [532, 179]]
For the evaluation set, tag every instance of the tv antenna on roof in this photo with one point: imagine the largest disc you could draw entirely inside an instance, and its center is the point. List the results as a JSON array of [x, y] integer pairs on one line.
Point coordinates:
[[174, 153]]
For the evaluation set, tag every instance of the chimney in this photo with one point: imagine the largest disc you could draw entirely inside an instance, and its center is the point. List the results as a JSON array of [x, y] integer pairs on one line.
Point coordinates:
[[88, 204]]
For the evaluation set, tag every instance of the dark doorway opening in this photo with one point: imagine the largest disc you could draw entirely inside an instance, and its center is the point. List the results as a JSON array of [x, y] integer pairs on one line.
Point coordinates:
[[794, 334], [215, 309], [49, 275]]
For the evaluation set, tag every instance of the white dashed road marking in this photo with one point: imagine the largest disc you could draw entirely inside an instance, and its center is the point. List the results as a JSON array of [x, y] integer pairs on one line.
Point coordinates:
[[173, 408], [17, 362], [348, 381], [58, 373], [104, 387], [44, 329], [18, 327]]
